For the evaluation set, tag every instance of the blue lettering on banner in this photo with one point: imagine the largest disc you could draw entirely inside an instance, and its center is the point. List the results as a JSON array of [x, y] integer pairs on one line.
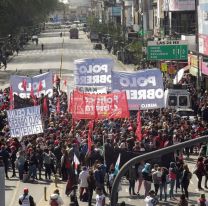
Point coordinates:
[[144, 89], [93, 72]]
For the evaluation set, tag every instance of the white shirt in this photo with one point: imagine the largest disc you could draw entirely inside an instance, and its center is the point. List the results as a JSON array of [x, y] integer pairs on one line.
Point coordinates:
[[25, 200], [150, 201], [99, 200], [83, 178]]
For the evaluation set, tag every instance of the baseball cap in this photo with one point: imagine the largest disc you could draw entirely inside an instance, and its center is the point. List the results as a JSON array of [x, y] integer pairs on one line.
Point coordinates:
[[25, 190]]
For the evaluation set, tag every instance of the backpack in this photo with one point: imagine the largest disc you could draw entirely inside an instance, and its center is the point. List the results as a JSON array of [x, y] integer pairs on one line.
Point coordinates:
[[54, 202]]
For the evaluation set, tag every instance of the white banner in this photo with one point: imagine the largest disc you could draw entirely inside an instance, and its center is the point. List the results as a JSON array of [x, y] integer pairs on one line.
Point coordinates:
[[25, 121]]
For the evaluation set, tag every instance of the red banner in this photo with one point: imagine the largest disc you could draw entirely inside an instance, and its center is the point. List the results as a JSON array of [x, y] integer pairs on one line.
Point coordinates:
[[99, 106], [139, 127]]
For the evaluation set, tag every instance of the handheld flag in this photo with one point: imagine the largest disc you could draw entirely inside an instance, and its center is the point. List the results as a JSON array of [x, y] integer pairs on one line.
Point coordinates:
[[58, 107], [11, 98], [76, 163], [91, 125], [117, 164], [24, 84], [139, 127]]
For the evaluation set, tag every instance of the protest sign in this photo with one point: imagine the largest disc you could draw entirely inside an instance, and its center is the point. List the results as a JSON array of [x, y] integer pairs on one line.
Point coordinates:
[[25, 121], [144, 88], [93, 72], [99, 106], [40, 84]]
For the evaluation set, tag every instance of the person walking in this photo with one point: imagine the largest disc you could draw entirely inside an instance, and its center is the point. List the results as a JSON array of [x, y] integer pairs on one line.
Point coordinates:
[[91, 186], [206, 172], [172, 178], [147, 176], [132, 179], [156, 178], [25, 199], [185, 180], [139, 176], [200, 171], [163, 185], [83, 184], [55, 199], [5, 157]]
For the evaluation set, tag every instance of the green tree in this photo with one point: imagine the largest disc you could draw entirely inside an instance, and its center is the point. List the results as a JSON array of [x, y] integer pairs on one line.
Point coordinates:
[[15, 14]]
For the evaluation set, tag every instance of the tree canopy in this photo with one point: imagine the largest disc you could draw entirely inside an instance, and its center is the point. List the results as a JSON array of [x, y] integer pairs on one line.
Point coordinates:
[[15, 14]]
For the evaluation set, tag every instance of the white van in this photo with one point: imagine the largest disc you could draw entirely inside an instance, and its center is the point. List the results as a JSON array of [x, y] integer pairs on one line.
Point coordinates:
[[177, 98]]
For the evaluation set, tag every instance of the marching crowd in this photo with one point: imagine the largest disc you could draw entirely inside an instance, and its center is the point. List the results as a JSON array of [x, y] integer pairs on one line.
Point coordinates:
[[40, 156]]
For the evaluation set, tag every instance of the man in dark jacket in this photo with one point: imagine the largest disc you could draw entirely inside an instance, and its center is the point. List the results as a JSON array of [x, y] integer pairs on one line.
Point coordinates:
[[5, 157]]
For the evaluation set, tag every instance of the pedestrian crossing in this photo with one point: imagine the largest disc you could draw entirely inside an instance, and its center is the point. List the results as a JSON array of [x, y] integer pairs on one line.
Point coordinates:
[[62, 51]]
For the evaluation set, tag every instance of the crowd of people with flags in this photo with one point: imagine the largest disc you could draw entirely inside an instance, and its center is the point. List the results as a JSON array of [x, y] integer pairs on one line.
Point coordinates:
[[90, 152]]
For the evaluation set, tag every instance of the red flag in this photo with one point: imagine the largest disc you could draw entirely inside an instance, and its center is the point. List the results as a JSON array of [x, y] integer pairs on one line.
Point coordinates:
[[139, 127], [24, 84], [40, 86], [58, 108], [65, 82], [34, 102], [45, 106], [11, 98], [91, 125], [32, 92], [54, 79]]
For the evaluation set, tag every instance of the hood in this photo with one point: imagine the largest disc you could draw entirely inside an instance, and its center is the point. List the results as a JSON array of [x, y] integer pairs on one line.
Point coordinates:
[[54, 196], [147, 167], [172, 164]]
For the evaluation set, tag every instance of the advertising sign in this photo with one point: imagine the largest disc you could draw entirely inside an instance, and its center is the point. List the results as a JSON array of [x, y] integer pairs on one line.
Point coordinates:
[[40, 84], [25, 121], [179, 5], [93, 72], [144, 89]]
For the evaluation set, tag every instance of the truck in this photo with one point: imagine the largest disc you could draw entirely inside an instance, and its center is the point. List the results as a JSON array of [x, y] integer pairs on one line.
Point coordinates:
[[177, 98], [94, 37], [74, 33]]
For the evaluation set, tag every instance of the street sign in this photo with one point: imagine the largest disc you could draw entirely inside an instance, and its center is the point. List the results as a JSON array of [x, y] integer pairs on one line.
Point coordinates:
[[167, 50]]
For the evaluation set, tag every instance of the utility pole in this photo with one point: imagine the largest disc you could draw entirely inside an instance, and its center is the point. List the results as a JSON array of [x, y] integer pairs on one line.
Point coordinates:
[[123, 20], [197, 48]]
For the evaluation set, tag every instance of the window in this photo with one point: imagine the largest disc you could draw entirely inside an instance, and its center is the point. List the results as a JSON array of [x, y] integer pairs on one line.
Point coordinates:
[[183, 101], [172, 101]]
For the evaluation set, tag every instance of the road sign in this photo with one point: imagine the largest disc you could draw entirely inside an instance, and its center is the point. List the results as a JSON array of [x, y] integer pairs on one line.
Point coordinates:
[[167, 50]]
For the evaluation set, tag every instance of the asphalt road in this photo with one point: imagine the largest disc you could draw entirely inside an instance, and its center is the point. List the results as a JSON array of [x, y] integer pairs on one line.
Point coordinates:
[[29, 62]]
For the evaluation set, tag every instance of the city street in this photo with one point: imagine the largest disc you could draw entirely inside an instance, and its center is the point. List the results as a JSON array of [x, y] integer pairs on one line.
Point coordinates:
[[29, 62], [32, 58]]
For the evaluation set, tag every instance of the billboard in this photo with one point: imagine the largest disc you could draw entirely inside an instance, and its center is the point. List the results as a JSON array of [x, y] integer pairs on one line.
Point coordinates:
[[179, 5], [203, 26]]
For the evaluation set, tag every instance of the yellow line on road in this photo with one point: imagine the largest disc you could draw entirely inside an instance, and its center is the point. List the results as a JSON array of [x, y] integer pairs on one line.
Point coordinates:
[[12, 203]]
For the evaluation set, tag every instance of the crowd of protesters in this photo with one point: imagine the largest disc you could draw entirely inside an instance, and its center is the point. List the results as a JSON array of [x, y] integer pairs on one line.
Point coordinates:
[[40, 156]]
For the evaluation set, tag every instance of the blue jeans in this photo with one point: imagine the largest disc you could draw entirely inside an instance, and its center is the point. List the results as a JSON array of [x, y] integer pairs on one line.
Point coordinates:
[[163, 188], [172, 184], [21, 171], [32, 171]]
